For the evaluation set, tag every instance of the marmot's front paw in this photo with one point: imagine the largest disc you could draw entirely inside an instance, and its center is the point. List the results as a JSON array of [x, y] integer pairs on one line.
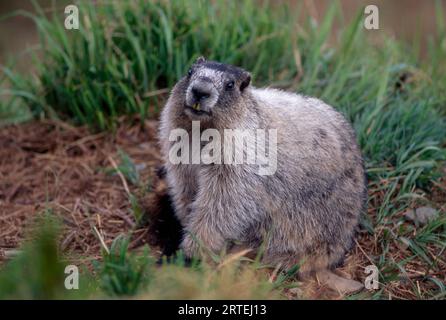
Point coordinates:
[[190, 246]]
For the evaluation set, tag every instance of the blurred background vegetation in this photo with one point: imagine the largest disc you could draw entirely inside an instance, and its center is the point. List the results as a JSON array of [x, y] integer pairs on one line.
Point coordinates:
[[390, 83], [127, 54]]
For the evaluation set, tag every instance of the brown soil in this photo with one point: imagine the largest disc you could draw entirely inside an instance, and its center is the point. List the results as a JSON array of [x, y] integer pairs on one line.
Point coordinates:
[[52, 166]]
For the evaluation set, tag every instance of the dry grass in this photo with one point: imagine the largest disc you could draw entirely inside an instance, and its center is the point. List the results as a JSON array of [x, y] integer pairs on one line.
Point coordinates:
[[52, 166]]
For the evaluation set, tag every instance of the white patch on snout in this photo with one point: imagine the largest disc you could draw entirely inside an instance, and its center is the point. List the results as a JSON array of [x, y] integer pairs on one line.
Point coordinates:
[[206, 104]]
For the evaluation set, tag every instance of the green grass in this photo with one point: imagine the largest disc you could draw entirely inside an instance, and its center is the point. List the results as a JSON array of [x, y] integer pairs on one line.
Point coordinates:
[[127, 55], [122, 273], [126, 52]]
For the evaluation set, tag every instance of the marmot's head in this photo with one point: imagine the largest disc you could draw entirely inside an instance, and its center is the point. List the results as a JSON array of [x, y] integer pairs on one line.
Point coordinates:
[[211, 88]]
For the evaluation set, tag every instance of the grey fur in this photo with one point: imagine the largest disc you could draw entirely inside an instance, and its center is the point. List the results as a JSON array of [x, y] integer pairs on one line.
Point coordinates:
[[307, 212]]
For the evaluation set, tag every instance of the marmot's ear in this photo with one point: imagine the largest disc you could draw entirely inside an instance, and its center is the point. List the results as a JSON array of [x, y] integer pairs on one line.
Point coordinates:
[[246, 80], [200, 59]]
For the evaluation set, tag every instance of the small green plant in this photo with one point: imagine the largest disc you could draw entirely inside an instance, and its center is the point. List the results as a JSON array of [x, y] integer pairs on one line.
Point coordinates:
[[129, 171], [126, 167], [123, 273]]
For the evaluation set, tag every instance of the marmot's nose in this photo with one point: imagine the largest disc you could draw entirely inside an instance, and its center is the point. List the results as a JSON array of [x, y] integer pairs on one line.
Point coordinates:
[[200, 93]]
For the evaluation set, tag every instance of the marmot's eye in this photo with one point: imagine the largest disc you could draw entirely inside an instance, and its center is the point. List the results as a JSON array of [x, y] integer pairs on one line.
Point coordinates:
[[189, 72], [230, 85]]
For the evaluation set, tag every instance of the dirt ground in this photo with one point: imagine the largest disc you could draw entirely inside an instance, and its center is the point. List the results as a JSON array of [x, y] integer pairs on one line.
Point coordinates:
[[51, 165]]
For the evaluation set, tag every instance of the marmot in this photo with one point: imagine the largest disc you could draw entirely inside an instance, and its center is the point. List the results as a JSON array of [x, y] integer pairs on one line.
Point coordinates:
[[306, 212]]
